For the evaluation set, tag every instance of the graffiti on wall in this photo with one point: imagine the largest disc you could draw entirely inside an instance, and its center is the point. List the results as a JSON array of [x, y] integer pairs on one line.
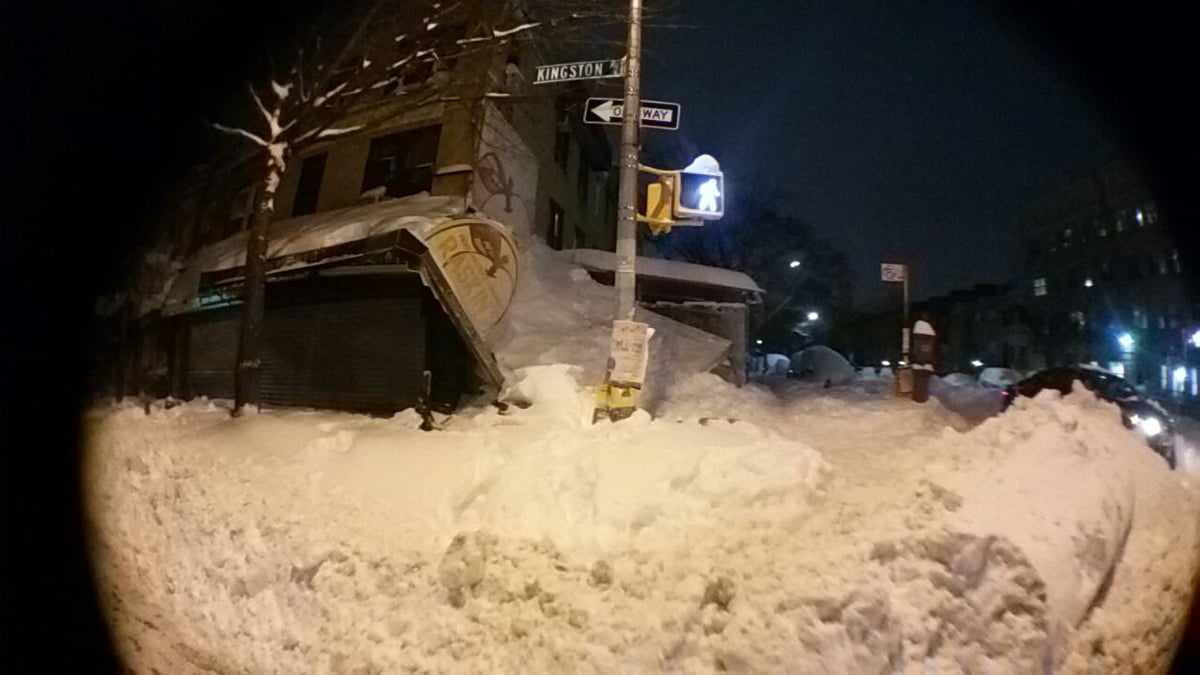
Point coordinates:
[[506, 175]]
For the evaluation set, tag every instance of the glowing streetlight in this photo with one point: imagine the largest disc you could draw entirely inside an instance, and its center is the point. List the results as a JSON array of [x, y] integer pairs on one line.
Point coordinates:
[[976, 363], [794, 264], [758, 342], [885, 363], [1196, 338], [1088, 282], [813, 316], [1125, 340]]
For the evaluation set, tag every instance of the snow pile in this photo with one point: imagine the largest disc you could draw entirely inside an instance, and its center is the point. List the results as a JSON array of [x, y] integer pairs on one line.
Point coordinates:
[[958, 380], [777, 364], [999, 378], [822, 364], [710, 539], [561, 315], [963, 395]]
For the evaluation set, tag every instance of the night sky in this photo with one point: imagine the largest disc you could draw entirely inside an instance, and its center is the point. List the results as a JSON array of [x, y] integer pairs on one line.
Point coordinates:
[[898, 131], [902, 134]]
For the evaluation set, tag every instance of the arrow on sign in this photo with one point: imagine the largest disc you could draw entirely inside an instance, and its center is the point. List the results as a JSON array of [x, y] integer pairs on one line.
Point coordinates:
[[654, 114], [607, 111]]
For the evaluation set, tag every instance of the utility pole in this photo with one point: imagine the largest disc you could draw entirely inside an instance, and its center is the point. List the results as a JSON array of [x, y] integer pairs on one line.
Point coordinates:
[[630, 340], [627, 196]]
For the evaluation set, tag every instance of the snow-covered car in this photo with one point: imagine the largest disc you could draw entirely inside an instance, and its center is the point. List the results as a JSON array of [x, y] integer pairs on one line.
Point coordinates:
[[1143, 415]]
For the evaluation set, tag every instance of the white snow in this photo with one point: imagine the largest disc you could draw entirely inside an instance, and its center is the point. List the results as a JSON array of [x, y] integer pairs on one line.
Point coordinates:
[[798, 530], [496, 32], [666, 269], [560, 315], [329, 133], [822, 364], [999, 377]]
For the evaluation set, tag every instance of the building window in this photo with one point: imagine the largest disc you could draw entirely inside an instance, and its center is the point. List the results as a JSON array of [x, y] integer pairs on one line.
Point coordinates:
[[1039, 286], [312, 169], [581, 185], [402, 163], [1079, 319], [554, 236], [1133, 268], [562, 141], [1139, 318]]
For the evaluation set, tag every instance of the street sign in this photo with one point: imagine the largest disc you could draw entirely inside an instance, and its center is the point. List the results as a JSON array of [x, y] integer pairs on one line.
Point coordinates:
[[655, 114], [891, 272], [579, 70]]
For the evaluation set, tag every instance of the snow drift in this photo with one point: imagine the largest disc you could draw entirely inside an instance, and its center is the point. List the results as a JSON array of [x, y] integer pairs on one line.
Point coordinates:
[[711, 539], [822, 364]]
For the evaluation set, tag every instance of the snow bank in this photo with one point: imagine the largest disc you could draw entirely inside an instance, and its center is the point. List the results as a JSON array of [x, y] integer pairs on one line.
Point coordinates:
[[710, 539], [958, 380], [561, 315], [822, 364], [966, 397], [999, 378]]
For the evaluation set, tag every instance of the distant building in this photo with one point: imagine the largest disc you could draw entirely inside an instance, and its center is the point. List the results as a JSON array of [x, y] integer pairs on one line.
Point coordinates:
[[1104, 282]]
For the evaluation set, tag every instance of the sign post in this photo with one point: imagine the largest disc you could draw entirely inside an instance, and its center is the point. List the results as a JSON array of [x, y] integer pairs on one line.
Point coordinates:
[[898, 272], [613, 391]]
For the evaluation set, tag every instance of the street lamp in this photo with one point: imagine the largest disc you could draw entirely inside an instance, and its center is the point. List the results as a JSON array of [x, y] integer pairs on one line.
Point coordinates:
[[758, 342], [813, 316], [1196, 339], [794, 264], [1126, 341], [976, 363]]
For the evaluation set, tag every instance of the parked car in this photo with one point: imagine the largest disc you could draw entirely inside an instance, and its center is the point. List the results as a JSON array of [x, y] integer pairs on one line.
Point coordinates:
[[1139, 413]]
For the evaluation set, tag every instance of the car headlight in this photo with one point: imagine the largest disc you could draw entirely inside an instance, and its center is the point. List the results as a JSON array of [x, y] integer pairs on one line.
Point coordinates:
[[1151, 426]]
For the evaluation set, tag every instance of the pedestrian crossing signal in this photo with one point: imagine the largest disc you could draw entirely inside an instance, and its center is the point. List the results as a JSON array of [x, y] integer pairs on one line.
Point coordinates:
[[700, 195]]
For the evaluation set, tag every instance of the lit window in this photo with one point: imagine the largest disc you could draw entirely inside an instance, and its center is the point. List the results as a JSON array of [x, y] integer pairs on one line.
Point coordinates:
[[1140, 217], [1163, 382], [1179, 379], [1039, 286]]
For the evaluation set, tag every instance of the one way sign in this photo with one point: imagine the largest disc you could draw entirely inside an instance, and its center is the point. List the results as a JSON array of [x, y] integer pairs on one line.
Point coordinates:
[[655, 114]]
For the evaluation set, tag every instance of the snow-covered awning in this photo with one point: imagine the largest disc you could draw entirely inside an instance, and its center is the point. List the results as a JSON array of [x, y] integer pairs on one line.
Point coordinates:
[[595, 259], [419, 213]]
